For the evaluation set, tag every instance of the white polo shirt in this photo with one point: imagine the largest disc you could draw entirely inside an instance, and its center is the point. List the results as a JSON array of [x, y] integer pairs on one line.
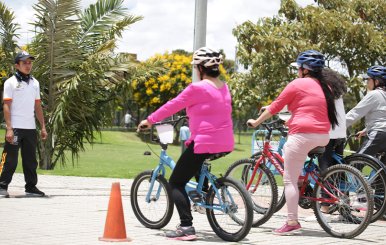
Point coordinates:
[[23, 96]]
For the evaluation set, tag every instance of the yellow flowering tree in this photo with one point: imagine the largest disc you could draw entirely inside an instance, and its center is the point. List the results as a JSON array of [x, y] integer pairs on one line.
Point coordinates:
[[156, 91]]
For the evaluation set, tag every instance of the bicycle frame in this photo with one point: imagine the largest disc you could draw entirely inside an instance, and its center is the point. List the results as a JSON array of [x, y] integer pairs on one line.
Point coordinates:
[[167, 161], [310, 174]]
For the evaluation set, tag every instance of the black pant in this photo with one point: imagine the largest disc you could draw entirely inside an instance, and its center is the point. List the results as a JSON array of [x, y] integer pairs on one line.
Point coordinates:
[[375, 143], [26, 141], [187, 167], [326, 160]]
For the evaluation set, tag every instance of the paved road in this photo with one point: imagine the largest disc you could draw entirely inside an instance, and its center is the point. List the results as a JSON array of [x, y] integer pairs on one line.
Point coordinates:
[[75, 212]]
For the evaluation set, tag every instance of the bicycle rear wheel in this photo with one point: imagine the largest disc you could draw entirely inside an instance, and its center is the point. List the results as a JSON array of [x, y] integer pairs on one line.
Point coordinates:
[[231, 218], [157, 212], [350, 187], [376, 177], [265, 196]]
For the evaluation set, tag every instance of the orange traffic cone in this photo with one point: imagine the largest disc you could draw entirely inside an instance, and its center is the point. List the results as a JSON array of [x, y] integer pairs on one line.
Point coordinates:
[[115, 230]]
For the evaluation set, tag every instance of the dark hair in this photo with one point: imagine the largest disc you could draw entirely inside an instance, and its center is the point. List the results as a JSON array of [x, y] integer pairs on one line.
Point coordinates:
[[328, 93], [336, 82], [212, 71]]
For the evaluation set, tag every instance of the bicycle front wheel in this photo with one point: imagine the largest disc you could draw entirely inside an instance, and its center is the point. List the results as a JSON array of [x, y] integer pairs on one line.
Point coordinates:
[[354, 206], [279, 180], [263, 189], [376, 177], [156, 212], [231, 211]]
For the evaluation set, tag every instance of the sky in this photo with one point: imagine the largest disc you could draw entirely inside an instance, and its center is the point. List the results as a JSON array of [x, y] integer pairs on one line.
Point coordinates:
[[169, 24]]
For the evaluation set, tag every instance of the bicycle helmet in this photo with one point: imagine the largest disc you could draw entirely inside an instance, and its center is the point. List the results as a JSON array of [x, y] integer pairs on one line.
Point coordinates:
[[207, 57], [310, 60], [376, 72]]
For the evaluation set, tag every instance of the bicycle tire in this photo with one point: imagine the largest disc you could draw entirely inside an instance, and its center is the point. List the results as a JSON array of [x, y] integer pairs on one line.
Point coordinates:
[[265, 197], [138, 202], [342, 180], [281, 197], [378, 182], [224, 185]]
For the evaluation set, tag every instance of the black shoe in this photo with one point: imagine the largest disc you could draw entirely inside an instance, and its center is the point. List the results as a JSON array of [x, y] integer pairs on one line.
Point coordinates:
[[34, 191], [3, 192]]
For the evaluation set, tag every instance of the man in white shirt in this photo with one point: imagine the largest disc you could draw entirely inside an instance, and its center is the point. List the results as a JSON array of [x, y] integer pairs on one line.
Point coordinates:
[[184, 135], [21, 103], [127, 120]]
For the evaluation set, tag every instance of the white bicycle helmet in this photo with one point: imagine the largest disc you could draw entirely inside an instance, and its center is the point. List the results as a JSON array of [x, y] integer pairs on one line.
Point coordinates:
[[207, 57]]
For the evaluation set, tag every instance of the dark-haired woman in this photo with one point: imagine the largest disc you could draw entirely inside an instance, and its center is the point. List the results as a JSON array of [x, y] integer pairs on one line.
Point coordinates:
[[311, 102], [337, 134], [208, 106]]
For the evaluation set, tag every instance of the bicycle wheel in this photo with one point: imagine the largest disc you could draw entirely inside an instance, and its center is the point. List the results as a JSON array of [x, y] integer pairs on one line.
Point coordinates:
[[264, 197], [376, 177], [158, 212], [278, 178], [231, 214], [349, 185]]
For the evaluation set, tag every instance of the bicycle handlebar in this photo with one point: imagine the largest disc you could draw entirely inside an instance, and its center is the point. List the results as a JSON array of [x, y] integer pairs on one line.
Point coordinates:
[[173, 122]]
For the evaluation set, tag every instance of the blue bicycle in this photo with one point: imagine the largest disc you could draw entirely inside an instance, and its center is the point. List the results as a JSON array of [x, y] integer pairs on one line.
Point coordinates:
[[227, 204], [371, 167]]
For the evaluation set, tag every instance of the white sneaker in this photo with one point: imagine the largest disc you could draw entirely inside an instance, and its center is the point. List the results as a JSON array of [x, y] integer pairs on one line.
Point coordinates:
[[361, 206], [334, 218], [311, 218]]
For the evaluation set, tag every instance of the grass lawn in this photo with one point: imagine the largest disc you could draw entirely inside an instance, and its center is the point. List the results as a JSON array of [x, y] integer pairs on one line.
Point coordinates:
[[120, 155]]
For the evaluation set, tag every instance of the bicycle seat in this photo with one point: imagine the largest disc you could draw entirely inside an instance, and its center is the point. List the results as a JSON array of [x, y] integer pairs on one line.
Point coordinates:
[[316, 151], [217, 156]]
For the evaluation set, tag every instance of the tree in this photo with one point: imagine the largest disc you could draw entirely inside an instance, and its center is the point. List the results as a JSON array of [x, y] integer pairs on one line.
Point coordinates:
[[8, 38], [82, 80], [156, 91], [350, 33]]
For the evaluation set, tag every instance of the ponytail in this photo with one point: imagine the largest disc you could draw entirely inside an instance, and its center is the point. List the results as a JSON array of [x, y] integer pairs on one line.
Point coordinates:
[[328, 93]]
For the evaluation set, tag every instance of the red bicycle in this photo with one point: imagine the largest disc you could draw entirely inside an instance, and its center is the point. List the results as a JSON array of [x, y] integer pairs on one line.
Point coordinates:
[[339, 187]]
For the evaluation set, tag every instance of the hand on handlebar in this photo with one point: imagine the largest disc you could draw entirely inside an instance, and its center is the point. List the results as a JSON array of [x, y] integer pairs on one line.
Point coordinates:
[[252, 123], [145, 124], [360, 134], [262, 109]]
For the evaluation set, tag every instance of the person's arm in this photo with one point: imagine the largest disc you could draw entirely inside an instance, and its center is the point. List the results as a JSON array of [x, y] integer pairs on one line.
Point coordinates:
[[187, 97], [40, 117], [7, 118], [264, 116], [360, 110], [283, 99], [7, 100]]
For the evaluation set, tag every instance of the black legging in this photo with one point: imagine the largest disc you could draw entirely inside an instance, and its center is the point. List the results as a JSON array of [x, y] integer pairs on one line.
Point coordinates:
[[374, 143], [186, 168], [326, 160]]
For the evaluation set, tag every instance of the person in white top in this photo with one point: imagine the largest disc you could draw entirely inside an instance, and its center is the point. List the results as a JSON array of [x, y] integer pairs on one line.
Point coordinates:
[[127, 119], [21, 103]]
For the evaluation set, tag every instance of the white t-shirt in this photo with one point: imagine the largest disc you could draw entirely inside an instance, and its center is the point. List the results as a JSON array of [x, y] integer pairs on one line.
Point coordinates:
[[340, 130], [23, 96], [127, 118]]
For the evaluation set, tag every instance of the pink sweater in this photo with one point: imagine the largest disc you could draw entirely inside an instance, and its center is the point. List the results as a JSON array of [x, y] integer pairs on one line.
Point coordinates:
[[209, 110], [307, 104]]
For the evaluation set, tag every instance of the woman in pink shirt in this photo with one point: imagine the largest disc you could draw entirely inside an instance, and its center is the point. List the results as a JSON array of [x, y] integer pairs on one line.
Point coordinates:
[[208, 106], [311, 103]]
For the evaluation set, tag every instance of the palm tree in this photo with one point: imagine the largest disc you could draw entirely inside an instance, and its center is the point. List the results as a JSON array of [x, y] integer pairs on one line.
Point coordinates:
[[82, 80], [8, 38]]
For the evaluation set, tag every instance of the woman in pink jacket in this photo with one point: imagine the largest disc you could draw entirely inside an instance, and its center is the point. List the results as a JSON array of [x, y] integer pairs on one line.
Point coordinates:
[[208, 106], [311, 103]]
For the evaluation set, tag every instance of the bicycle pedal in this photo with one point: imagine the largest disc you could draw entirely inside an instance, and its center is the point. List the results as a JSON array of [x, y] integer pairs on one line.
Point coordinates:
[[199, 209], [195, 196]]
